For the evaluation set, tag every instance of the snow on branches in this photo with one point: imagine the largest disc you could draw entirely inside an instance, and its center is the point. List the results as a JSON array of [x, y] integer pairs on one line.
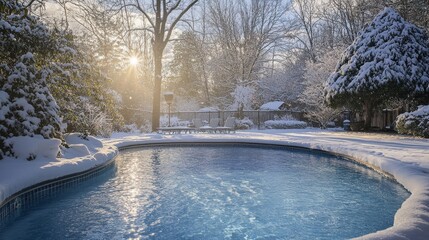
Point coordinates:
[[313, 95], [27, 107], [243, 97], [388, 59], [388, 52], [415, 123]]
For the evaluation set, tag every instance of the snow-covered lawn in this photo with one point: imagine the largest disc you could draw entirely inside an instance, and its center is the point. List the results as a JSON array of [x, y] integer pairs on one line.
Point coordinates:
[[406, 158]]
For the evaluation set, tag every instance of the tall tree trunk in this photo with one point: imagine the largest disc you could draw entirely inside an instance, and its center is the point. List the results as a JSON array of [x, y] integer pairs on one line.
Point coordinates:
[[206, 86], [156, 105], [368, 111], [159, 22]]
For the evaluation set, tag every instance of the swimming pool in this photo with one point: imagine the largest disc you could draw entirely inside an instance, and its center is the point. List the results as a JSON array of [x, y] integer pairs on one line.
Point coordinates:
[[218, 192]]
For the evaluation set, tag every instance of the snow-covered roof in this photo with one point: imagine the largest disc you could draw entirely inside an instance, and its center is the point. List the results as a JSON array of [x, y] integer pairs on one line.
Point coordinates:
[[209, 109], [272, 105]]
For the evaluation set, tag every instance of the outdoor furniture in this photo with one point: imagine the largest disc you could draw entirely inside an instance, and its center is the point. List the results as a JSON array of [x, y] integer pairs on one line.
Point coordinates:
[[214, 122], [175, 130], [228, 127], [211, 128], [200, 127], [198, 123]]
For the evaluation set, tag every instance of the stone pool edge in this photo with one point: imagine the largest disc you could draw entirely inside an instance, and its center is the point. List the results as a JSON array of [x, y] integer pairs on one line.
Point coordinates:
[[411, 221]]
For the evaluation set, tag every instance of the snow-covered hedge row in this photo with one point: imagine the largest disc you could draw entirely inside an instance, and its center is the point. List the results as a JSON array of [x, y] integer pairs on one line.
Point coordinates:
[[285, 124], [415, 123]]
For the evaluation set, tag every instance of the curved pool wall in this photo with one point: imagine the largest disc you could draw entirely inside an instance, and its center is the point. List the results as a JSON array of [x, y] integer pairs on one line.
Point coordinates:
[[32, 195], [412, 225]]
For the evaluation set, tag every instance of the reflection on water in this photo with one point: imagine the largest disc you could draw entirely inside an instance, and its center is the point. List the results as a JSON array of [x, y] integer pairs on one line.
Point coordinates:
[[219, 193]]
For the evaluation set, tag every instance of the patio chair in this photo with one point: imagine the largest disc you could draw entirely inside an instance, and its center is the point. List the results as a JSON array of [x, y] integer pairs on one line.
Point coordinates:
[[198, 123], [228, 127], [211, 128], [214, 122]]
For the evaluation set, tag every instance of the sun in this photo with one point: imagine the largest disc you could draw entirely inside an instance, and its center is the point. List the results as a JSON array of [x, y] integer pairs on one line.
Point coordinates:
[[134, 60]]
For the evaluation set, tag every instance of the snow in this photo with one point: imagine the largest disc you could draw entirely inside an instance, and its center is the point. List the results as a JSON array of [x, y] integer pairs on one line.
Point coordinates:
[[243, 98], [422, 111], [405, 158], [272, 105], [388, 52], [209, 109], [35, 146], [414, 123], [18, 173], [284, 124]]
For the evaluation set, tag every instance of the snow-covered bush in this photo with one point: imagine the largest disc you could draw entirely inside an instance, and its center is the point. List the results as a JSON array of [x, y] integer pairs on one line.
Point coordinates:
[[146, 127], [28, 53], [27, 106], [388, 59], [131, 128], [244, 123], [414, 123], [91, 120], [174, 121], [30, 148], [285, 122]]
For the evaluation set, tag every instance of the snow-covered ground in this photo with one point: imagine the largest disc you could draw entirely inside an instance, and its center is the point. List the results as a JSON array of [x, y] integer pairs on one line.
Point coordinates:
[[405, 158]]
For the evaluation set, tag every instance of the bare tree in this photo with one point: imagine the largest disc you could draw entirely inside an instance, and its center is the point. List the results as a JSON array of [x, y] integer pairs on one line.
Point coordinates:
[[100, 28], [416, 11], [307, 13], [244, 33], [163, 16], [200, 47], [347, 17], [313, 95]]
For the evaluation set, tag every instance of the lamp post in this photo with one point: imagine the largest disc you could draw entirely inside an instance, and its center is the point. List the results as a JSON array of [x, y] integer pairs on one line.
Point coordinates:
[[168, 96]]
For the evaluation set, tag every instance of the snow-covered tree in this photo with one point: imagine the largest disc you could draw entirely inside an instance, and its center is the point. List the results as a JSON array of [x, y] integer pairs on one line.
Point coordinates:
[[31, 109], [388, 59], [4, 109], [27, 106], [243, 98], [313, 95], [285, 85]]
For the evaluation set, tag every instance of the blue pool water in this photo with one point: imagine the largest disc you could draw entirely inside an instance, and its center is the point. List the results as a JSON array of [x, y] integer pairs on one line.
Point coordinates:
[[219, 192]]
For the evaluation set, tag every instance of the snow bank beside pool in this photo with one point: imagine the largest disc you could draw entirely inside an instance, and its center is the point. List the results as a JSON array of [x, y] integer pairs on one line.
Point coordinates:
[[18, 173], [34, 147]]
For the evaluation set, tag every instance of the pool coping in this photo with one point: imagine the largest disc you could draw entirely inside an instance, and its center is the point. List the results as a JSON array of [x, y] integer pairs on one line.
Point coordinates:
[[15, 203]]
